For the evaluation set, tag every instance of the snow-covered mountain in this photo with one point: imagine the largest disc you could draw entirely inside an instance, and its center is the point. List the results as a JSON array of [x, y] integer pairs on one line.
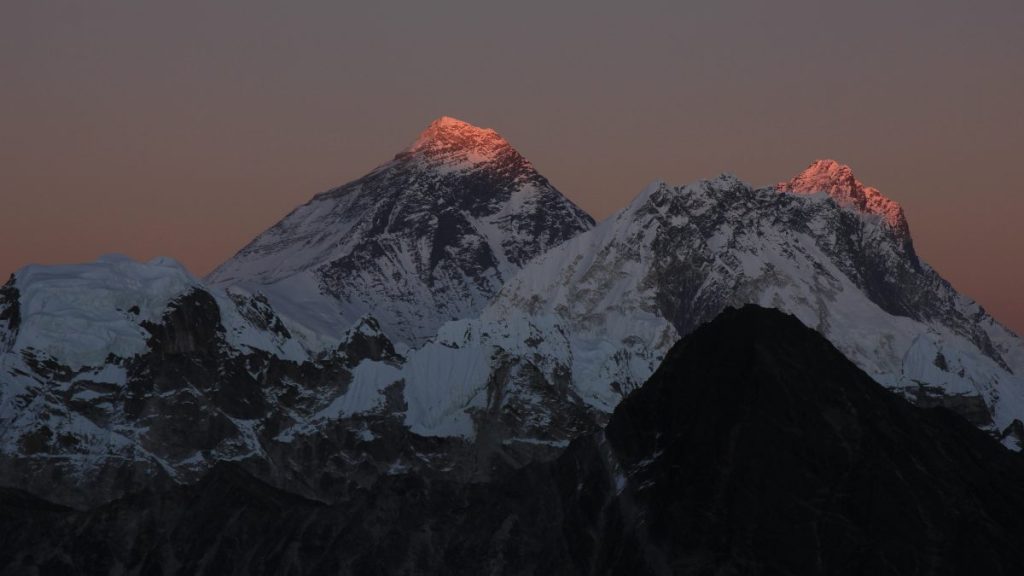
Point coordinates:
[[120, 374], [452, 313], [426, 238], [600, 310]]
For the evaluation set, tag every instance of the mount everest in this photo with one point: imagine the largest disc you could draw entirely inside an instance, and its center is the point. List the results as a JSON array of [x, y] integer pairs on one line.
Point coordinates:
[[451, 313], [429, 237]]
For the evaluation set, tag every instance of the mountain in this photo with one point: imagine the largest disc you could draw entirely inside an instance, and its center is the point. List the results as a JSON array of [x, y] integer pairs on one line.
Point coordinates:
[[597, 314], [755, 448], [426, 238], [118, 376]]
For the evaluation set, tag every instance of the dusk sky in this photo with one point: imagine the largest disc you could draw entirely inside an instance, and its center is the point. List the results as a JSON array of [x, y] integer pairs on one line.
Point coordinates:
[[186, 128]]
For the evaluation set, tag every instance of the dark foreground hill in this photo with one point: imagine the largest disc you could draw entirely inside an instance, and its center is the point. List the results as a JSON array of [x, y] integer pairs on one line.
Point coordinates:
[[756, 448]]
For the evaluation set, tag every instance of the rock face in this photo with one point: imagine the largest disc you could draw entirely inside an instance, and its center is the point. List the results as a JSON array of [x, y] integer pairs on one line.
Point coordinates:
[[426, 238], [756, 448]]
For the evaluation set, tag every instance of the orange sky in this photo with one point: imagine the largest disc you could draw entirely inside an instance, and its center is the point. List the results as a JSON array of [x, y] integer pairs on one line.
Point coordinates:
[[186, 129]]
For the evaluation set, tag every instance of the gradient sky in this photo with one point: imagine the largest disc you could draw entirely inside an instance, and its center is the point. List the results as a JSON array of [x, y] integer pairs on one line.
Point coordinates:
[[186, 128]]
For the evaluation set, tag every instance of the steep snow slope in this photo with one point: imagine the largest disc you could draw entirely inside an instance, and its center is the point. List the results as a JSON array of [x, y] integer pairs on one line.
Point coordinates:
[[609, 303], [426, 238]]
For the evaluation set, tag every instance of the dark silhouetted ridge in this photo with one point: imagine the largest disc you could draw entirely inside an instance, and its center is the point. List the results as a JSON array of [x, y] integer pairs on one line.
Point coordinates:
[[772, 453]]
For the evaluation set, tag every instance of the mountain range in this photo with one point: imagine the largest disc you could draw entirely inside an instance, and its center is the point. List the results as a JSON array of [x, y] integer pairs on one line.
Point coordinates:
[[452, 316]]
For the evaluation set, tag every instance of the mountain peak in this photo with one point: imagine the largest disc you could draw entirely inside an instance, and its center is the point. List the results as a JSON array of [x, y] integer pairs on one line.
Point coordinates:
[[450, 123], [825, 175], [449, 139], [837, 180]]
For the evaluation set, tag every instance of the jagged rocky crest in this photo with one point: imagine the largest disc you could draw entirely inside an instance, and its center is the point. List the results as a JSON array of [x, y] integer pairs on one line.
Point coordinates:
[[837, 180]]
